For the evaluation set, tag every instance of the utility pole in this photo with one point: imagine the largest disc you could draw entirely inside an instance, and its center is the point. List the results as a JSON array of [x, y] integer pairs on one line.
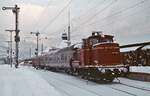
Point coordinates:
[[66, 36], [15, 10], [37, 47], [30, 52], [69, 36], [37, 35], [42, 45], [42, 48], [10, 45]]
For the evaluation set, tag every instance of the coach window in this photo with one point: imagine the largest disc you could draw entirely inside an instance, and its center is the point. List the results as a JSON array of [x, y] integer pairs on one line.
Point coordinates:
[[50, 59], [62, 56], [94, 41], [57, 59], [65, 58]]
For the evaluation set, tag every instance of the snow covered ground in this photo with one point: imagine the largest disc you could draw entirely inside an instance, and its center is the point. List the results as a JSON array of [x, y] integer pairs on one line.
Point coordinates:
[[23, 82], [74, 86], [27, 81], [142, 69]]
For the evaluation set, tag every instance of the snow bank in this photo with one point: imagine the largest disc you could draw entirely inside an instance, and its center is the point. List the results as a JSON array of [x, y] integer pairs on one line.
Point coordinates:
[[142, 69]]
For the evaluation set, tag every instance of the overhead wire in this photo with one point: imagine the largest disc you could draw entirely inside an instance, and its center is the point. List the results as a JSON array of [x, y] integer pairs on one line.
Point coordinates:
[[41, 15], [92, 17], [53, 19], [63, 10], [121, 11], [85, 13], [100, 11], [90, 9], [124, 18], [121, 19]]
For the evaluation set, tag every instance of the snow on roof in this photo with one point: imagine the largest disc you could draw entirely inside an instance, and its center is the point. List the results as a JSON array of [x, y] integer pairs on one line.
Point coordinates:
[[146, 47], [52, 51], [128, 49], [104, 43], [133, 48]]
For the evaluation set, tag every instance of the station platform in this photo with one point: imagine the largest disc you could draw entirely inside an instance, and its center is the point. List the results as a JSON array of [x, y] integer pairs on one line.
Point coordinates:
[[23, 82]]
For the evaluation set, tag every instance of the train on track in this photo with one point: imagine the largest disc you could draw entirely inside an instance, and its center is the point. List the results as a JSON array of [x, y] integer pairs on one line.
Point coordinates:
[[98, 58]]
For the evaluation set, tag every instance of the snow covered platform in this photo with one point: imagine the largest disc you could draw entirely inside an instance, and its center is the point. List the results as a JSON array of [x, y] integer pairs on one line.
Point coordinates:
[[23, 82], [141, 73], [26, 81], [140, 69]]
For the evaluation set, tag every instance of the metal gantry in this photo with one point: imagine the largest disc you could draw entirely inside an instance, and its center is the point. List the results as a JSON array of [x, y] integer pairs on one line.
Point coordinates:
[[37, 35], [15, 10]]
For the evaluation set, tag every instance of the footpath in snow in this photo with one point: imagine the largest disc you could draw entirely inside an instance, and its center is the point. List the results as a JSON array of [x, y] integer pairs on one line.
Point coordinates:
[[23, 82]]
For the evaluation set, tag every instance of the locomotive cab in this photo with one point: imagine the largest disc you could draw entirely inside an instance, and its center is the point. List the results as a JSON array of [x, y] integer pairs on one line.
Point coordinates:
[[100, 55], [100, 49]]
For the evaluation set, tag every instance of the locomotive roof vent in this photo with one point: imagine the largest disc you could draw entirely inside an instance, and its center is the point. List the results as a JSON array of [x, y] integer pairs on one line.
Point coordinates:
[[96, 33]]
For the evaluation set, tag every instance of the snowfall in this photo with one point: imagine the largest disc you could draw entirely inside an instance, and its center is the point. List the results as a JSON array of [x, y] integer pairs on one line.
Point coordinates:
[[27, 81]]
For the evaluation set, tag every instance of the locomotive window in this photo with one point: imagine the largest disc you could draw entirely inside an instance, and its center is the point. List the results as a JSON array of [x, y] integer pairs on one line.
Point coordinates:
[[94, 41], [62, 56], [107, 40]]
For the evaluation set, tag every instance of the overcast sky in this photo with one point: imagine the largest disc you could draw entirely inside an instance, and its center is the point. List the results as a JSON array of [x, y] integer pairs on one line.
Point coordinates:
[[127, 20]]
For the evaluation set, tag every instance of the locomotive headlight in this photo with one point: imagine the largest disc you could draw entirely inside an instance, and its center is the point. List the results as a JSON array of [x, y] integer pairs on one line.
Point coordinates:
[[113, 73]]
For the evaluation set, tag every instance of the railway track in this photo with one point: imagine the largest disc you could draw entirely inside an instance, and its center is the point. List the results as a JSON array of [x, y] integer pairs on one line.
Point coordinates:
[[72, 84], [124, 91], [129, 86], [144, 89], [99, 87]]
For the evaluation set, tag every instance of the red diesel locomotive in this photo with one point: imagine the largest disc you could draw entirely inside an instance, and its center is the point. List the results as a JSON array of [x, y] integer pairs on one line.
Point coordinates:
[[98, 59]]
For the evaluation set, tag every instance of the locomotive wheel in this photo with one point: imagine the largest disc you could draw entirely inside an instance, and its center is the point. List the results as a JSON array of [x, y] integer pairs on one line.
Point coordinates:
[[108, 76], [109, 80]]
